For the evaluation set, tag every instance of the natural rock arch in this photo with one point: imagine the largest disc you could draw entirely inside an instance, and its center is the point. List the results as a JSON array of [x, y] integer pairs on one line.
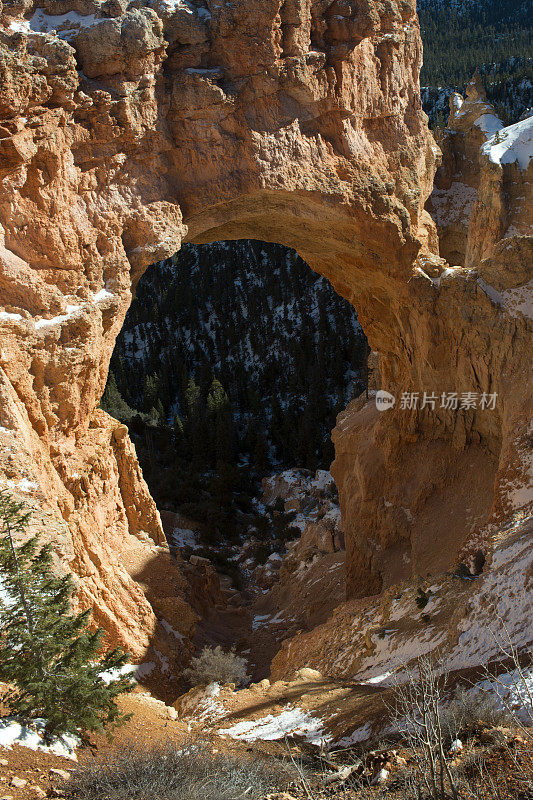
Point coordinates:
[[298, 122]]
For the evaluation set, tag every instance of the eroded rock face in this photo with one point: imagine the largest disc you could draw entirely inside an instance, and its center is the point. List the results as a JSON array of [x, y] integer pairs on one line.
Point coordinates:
[[126, 129], [422, 487]]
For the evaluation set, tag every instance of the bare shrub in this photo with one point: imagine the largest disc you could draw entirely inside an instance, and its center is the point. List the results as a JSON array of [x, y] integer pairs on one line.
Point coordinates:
[[515, 690], [501, 772], [215, 665], [417, 711], [470, 710], [191, 772]]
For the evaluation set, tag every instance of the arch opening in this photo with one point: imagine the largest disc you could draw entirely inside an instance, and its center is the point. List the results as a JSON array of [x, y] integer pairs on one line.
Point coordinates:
[[234, 358]]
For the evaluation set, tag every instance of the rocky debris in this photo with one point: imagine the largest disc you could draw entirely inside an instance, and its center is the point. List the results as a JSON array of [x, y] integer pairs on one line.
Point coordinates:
[[60, 773], [314, 519]]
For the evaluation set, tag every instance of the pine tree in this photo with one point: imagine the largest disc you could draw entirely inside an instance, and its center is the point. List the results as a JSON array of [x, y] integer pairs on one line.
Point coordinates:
[[221, 422], [50, 654]]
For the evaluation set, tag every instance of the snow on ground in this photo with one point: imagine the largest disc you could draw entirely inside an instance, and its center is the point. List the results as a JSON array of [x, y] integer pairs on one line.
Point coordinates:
[[59, 320], [291, 722], [519, 300], [358, 735], [323, 480], [169, 629], [259, 620], [514, 691], [491, 292], [144, 669], [454, 204], [12, 732], [24, 485], [171, 6], [501, 599], [66, 25], [392, 651], [377, 679], [519, 488], [210, 709], [72, 309], [174, 5], [489, 124], [8, 316], [511, 144], [102, 295], [184, 537]]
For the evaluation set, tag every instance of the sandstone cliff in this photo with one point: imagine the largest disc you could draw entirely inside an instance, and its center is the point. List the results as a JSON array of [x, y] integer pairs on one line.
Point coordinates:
[[125, 129]]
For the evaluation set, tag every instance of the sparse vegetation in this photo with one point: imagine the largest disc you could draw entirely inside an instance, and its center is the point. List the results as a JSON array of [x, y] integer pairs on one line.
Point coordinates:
[[467, 711], [422, 598], [190, 772], [214, 665], [418, 717], [435, 728]]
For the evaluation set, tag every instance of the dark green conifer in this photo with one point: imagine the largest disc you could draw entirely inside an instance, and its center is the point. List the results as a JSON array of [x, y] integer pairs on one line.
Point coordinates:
[[48, 653]]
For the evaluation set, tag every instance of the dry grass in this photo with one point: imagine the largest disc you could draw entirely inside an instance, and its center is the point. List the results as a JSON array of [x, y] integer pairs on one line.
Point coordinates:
[[191, 772]]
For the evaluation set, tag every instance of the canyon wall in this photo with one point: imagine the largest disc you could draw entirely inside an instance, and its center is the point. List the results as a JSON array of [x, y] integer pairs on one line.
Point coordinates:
[[126, 129]]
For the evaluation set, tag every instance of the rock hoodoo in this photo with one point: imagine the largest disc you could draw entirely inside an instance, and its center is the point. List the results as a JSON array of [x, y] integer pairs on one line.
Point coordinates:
[[128, 128]]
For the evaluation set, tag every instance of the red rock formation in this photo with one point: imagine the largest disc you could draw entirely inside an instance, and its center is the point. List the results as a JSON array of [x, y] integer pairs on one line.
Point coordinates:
[[134, 128]]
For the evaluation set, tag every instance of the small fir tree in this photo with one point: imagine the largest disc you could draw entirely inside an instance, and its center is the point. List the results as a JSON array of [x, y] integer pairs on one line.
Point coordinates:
[[48, 653]]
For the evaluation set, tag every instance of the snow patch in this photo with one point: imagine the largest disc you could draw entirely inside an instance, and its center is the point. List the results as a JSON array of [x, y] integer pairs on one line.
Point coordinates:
[[19, 25], [513, 690], [169, 629], [377, 679], [65, 25], [291, 722], [489, 124], [8, 316], [184, 537], [59, 320], [454, 204], [511, 144], [491, 292], [102, 295], [259, 620], [24, 485], [13, 732], [359, 735], [519, 300], [144, 669]]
